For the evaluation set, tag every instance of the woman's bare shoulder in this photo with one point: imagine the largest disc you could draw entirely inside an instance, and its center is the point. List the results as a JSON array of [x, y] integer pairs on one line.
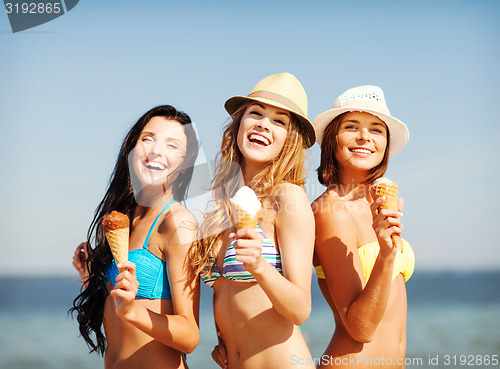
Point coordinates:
[[286, 192], [330, 205], [179, 225], [181, 214]]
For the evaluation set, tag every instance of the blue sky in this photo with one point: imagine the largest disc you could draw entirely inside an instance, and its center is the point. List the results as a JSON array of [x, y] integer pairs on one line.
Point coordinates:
[[71, 88]]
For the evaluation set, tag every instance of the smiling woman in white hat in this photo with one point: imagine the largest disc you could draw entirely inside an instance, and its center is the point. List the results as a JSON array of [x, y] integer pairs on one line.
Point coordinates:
[[361, 272], [261, 276]]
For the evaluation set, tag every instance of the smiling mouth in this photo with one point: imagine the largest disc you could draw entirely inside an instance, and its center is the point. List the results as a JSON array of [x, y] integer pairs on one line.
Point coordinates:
[[152, 165], [259, 140], [360, 151]]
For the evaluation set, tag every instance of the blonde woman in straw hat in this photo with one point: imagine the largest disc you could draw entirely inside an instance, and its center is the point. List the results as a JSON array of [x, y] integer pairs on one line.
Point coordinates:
[[360, 271], [261, 276]]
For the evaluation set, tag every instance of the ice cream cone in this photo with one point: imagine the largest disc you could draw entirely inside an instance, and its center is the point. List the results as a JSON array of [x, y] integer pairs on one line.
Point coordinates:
[[246, 208], [241, 218], [390, 191], [116, 228]]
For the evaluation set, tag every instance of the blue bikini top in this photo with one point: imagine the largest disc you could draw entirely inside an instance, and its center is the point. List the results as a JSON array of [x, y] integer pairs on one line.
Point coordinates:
[[150, 270]]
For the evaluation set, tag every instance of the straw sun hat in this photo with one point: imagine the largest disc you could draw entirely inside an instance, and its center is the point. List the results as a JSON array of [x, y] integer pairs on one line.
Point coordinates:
[[369, 99], [283, 91]]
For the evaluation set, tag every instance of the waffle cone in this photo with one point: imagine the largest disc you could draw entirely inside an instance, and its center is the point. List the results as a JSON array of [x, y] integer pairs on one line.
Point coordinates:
[[390, 191], [118, 243], [116, 229], [242, 219]]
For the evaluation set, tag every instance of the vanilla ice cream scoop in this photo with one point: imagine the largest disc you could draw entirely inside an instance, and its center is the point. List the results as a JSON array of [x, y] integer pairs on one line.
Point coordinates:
[[247, 200], [245, 208]]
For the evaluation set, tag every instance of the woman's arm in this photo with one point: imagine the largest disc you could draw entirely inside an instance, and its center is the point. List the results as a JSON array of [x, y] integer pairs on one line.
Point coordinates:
[[361, 307], [180, 330], [290, 294]]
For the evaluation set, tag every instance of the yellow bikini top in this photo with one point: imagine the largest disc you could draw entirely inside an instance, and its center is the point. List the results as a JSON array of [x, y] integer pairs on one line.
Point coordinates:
[[404, 263]]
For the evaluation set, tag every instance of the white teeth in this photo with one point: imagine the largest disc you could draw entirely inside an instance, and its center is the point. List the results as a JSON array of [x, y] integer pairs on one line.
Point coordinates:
[[154, 165], [261, 139], [362, 151]]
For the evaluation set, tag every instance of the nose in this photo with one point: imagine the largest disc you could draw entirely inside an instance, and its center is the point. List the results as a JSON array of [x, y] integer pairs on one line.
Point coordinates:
[[156, 148], [264, 123], [364, 134]]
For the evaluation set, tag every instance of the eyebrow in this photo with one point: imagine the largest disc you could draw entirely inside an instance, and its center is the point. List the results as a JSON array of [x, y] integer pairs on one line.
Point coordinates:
[[357, 121], [144, 133]]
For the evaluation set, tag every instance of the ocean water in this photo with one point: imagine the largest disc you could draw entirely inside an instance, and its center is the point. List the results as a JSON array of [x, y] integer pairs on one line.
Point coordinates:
[[453, 322]]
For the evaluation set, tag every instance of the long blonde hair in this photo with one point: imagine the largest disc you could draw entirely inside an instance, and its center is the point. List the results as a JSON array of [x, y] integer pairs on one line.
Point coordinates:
[[288, 166]]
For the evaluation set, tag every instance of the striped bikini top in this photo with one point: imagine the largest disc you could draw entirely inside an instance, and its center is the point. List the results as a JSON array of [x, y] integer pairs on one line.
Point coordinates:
[[234, 270]]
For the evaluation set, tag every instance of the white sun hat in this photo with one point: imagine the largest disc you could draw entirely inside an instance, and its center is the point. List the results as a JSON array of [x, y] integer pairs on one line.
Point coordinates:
[[369, 99]]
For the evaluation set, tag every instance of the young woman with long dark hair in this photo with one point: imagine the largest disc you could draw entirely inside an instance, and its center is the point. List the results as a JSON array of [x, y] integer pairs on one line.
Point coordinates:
[[149, 312]]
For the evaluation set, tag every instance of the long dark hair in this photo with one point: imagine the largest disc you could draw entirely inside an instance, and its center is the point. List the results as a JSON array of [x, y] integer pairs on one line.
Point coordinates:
[[89, 304], [329, 168]]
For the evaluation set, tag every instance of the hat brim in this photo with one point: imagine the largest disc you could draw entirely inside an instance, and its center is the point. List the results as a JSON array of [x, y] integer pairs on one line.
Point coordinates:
[[398, 131], [234, 103]]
